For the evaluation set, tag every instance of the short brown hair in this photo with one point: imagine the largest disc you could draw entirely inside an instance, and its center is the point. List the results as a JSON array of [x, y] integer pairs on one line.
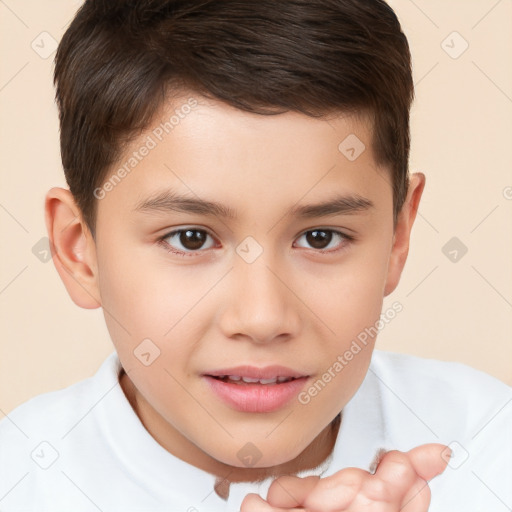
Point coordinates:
[[120, 59]]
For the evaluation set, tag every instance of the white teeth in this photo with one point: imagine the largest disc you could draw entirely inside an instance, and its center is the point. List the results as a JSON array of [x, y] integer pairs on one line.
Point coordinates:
[[274, 380], [268, 381], [249, 380]]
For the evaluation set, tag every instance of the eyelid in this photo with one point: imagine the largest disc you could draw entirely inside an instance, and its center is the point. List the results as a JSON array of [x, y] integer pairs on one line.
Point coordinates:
[[346, 239], [169, 248], [162, 240]]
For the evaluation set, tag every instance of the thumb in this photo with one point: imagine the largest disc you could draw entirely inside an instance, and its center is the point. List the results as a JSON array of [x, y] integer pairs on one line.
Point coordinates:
[[429, 460]]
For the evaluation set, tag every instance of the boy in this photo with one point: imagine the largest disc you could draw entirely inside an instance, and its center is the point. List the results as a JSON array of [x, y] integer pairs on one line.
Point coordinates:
[[239, 206]]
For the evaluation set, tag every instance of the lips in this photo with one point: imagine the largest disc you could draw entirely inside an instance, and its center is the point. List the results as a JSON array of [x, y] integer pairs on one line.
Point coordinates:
[[251, 389]]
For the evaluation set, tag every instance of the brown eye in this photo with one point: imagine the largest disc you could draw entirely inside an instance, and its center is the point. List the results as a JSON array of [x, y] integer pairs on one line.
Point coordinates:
[[323, 239], [188, 240], [319, 239], [192, 239]]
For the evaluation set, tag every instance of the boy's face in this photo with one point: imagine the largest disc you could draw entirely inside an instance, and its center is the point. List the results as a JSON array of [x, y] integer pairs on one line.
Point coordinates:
[[264, 286]]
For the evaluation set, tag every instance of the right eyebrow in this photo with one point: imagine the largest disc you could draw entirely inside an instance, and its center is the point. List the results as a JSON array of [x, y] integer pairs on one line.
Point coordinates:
[[170, 201]]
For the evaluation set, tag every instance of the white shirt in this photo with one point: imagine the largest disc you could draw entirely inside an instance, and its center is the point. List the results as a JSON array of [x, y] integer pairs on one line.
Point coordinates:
[[84, 449]]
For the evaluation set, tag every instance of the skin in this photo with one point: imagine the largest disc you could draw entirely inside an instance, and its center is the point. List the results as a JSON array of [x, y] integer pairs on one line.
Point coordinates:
[[296, 305], [399, 484]]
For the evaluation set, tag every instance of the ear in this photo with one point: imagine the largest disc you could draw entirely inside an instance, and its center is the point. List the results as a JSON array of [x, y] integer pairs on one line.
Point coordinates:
[[403, 231], [73, 248]]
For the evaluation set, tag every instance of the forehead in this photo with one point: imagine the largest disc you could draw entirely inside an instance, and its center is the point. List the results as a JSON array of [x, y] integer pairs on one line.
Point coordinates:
[[207, 149]]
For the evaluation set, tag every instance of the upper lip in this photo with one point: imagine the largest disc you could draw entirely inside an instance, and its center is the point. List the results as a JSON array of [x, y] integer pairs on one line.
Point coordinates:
[[267, 372]]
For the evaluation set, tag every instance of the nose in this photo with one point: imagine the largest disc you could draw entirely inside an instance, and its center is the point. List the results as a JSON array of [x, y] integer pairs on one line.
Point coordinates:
[[260, 304]]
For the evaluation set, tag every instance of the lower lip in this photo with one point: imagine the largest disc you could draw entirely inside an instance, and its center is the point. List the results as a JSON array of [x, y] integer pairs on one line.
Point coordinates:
[[255, 397]]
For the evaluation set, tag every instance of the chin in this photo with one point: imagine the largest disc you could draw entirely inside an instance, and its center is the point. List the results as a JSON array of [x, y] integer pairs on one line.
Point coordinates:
[[253, 456]]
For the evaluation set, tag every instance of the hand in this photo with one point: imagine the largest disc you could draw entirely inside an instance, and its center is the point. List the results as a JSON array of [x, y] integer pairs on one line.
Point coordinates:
[[399, 484]]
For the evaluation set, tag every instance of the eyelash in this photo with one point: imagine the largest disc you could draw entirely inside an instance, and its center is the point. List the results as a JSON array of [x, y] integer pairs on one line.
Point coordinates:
[[162, 241]]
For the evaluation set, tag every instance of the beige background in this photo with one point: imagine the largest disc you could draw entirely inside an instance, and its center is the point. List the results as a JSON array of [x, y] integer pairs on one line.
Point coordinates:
[[461, 139]]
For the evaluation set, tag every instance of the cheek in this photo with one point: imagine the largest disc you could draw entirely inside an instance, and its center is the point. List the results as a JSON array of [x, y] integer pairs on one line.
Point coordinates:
[[143, 299], [349, 301], [350, 297], [140, 287]]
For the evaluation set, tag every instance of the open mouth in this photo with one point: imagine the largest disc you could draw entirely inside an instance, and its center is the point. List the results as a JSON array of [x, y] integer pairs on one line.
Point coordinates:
[[237, 379], [250, 394]]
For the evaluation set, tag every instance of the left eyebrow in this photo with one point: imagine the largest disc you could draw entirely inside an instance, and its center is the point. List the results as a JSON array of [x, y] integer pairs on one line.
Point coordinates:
[[339, 205], [168, 201]]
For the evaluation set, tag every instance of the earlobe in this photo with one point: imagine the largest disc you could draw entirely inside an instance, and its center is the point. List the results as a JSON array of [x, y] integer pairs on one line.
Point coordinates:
[[403, 229], [73, 247]]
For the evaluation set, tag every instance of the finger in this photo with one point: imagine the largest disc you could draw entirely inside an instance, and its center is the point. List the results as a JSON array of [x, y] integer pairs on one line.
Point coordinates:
[[429, 460], [336, 492], [417, 499], [290, 491], [254, 503], [394, 476], [403, 477]]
